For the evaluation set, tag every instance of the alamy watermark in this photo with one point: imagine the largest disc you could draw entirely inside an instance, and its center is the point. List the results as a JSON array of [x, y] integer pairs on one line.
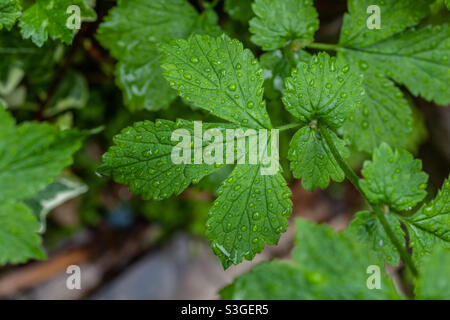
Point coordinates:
[[73, 281], [73, 22], [374, 20], [374, 280], [235, 146]]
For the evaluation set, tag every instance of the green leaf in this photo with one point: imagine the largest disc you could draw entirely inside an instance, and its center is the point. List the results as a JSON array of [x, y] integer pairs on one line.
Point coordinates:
[[21, 54], [218, 75], [319, 249], [131, 31], [278, 22], [326, 266], [10, 11], [312, 160], [251, 210], [277, 67], [416, 58], [419, 59], [393, 178], [141, 158], [396, 16], [368, 229], [259, 284], [19, 240], [430, 225], [239, 9], [140, 78], [323, 90], [55, 194], [434, 281], [48, 18], [207, 23], [384, 116], [32, 155], [6, 123]]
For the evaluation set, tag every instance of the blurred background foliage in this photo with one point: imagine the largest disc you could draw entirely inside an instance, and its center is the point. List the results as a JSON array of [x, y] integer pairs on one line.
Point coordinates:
[[75, 86]]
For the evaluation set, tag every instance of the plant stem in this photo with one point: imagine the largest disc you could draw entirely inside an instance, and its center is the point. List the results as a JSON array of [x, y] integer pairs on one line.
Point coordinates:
[[288, 126], [387, 228], [351, 175], [324, 46]]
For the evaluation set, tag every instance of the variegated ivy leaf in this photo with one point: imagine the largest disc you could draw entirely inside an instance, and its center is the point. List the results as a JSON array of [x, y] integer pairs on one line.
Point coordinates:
[[63, 189]]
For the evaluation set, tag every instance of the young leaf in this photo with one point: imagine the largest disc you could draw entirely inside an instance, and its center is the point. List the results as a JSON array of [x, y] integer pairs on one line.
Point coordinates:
[[131, 32], [393, 178], [278, 22], [19, 240], [312, 160], [32, 155], [218, 75], [385, 116], [49, 18], [431, 224], [141, 158], [434, 282], [367, 228], [10, 11], [321, 258], [251, 210], [323, 90]]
